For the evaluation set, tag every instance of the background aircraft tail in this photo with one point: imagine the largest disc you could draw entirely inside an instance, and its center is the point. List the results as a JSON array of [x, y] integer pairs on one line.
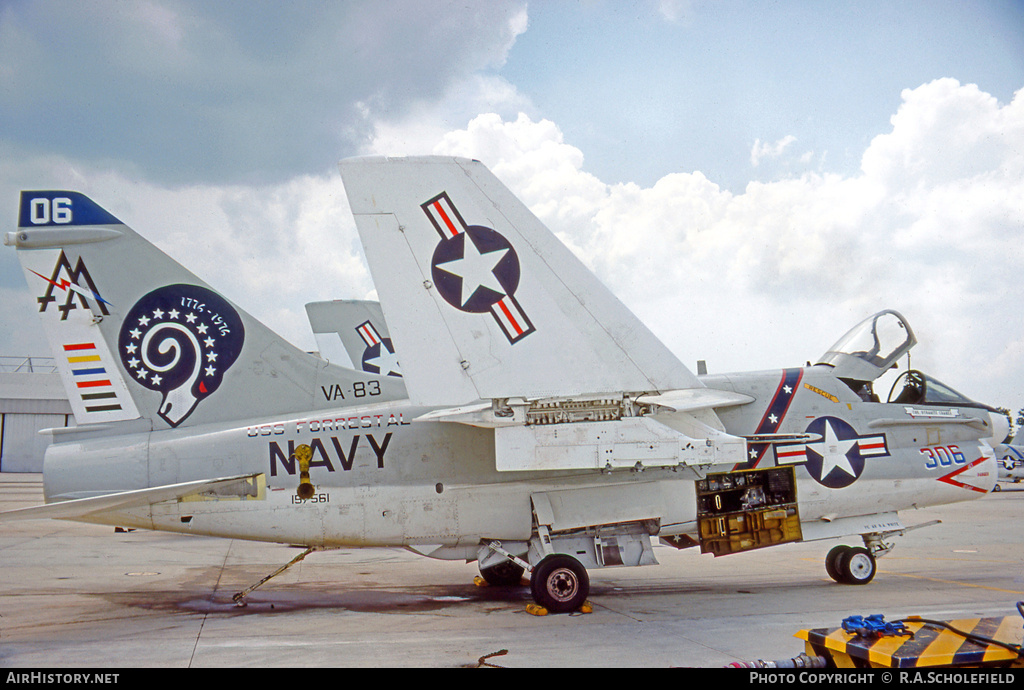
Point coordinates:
[[356, 330], [482, 300], [136, 335]]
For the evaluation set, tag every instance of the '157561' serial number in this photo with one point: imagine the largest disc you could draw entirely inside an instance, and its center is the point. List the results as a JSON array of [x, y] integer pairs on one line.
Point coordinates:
[[315, 498]]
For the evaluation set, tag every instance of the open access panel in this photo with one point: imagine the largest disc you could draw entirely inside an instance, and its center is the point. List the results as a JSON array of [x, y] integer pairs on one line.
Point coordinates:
[[747, 509]]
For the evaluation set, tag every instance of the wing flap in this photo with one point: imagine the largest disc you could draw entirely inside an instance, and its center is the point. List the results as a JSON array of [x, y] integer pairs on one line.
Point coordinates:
[[690, 399], [629, 443], [517, 412]]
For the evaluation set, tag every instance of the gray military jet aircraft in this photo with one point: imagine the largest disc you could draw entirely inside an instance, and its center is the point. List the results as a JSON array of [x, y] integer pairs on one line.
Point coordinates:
[[1010, 458], [538, 427]]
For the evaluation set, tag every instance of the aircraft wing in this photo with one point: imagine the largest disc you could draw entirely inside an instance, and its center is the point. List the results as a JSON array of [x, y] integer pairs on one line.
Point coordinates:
[[95, 506], [483, 301], [498, 324]]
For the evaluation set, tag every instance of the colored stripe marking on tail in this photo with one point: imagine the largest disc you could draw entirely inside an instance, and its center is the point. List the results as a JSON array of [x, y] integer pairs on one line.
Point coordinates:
[[93, 383]]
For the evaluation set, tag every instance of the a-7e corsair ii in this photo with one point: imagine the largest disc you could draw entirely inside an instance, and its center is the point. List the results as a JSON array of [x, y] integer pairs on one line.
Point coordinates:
[[538, 427]]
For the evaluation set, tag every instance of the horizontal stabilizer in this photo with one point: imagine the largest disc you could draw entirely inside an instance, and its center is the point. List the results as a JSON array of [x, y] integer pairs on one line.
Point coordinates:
[[82, 508]]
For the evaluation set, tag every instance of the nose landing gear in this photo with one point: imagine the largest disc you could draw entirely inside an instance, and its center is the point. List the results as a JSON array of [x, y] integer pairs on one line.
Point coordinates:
[[850, 565]]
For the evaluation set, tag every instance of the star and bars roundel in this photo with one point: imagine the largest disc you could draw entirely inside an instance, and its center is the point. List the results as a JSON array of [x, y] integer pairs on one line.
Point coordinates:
[[476, 269], [379, 356], [837, 459]]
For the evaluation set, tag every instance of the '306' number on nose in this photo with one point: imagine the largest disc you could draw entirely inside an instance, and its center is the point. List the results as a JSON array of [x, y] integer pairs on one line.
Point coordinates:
[[943, 456]]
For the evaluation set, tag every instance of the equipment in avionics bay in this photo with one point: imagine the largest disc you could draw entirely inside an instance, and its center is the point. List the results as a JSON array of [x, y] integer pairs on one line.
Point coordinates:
[[750, 509]]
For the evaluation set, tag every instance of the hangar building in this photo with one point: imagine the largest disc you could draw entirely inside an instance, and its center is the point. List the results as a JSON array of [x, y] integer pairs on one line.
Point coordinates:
[[31, 399]]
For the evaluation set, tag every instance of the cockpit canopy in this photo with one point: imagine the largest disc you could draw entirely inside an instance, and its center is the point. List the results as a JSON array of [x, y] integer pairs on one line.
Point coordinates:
[[915, 388], [871, 347]]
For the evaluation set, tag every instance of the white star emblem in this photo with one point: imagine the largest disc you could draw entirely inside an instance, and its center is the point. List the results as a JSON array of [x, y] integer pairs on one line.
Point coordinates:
[[833, 452], [475, 269], [386, 362]]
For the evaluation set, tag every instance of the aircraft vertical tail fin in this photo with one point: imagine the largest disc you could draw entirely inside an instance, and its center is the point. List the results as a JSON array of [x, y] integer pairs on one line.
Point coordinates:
[[136, 335], [358, 328], [482, 300]]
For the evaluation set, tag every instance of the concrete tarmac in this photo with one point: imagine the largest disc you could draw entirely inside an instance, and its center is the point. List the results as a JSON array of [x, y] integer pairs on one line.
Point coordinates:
[[75, 596]]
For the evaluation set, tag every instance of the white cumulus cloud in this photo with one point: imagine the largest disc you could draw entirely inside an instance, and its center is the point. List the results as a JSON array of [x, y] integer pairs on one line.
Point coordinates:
[[763, 278], [761, 151], [772, 276]]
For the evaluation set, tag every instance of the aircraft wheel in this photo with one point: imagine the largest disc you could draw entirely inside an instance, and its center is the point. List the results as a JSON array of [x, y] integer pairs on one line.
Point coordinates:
[[832, 562], [560, 583], [505, 574], [997, 487], [857, 566]]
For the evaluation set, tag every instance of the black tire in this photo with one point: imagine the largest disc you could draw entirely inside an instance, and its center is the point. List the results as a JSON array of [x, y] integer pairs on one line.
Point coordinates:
[[560, 583], [857, 566], [832, 562], [504, 574]]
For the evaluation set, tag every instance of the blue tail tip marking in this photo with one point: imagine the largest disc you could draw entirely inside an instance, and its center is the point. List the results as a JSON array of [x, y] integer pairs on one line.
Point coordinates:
[[57, 208]]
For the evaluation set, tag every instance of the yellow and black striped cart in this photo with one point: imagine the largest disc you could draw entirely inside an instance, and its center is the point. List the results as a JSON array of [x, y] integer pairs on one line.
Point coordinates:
[[965, 643]]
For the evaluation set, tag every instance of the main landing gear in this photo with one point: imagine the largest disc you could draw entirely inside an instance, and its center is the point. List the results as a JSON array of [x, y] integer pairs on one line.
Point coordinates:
[[850, 565], [559, 583]]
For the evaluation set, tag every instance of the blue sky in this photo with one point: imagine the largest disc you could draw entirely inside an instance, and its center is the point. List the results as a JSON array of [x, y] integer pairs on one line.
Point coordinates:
[[750, 178], [643, 95]]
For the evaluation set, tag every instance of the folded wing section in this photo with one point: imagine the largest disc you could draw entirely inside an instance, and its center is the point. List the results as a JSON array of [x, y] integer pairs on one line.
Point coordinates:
[[481, 299], [498, 325]]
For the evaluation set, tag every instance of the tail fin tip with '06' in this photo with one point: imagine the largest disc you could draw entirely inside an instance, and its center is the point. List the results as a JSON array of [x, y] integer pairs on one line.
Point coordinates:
[[136, 335]]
